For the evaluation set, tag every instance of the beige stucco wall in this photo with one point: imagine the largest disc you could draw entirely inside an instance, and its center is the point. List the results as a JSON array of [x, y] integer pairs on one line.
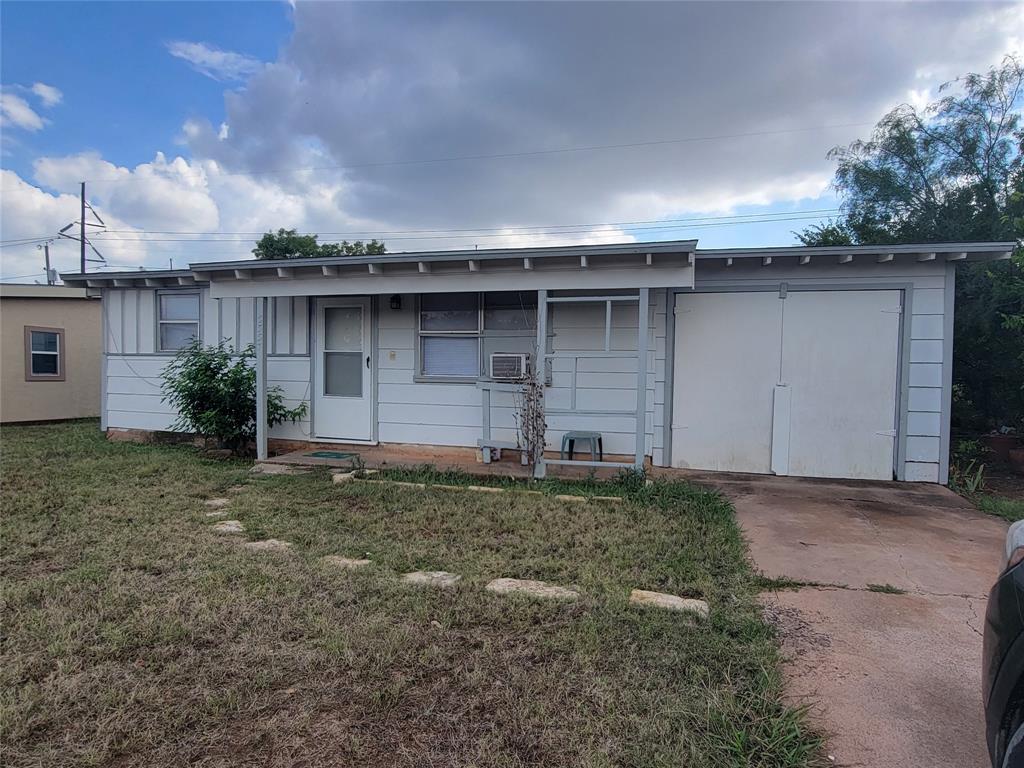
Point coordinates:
[[78, 395]]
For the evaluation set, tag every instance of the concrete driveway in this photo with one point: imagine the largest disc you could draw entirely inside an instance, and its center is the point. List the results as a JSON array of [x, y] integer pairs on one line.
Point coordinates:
[[895, 679]]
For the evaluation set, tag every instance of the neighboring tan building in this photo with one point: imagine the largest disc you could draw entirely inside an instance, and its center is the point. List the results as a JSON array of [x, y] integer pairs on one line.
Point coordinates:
[[50, 353]]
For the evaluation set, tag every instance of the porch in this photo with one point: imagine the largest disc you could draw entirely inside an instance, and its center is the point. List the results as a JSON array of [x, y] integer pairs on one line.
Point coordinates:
[[393, 456]]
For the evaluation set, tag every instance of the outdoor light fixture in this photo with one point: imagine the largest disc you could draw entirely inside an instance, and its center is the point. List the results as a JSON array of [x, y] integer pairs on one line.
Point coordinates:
[[396, 302]]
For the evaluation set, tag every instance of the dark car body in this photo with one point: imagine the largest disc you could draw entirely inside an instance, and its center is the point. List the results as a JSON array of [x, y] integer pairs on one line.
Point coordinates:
[[1003, 662]]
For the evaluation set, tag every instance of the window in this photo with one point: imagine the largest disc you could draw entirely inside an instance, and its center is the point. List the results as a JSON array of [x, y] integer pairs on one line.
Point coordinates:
[[510, 311], [44, 354], [177, 320], [449, 335]]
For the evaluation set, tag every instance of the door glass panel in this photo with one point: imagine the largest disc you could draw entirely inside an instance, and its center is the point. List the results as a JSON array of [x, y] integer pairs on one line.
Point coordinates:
[[343, 328], [343, 374]]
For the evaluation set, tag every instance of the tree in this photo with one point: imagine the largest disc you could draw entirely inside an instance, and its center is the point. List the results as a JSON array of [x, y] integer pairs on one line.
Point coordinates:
[[288, 244], [952, 172]]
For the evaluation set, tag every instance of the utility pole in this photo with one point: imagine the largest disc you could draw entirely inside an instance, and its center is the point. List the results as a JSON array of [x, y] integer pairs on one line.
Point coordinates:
[[81, 229], [49, 274]]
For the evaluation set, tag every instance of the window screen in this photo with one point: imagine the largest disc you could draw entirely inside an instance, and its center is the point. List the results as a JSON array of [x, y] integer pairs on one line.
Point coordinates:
[[510, 311], [177, 320], [449, 325]]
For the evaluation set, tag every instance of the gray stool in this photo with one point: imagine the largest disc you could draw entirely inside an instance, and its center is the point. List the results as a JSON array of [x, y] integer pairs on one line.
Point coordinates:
[[594, 438]]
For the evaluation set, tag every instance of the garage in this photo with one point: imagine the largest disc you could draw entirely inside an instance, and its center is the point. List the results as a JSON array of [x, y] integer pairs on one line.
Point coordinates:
[[789, 382]]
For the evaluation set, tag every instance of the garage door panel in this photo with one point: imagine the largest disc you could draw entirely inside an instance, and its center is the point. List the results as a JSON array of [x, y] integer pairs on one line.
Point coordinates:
[[840, 355], [726, 366], [805, 385]]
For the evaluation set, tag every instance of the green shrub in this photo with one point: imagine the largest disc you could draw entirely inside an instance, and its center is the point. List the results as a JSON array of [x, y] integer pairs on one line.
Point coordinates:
[[213, 389]]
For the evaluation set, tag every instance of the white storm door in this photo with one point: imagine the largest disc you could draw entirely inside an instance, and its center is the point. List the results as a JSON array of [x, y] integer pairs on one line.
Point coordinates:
[[343, 392], [840, 359], [726, 369]]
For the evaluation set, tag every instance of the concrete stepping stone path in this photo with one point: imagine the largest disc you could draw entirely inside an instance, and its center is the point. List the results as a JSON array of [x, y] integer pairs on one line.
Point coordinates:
[[268, 545], [532, 588], [670, 602], [441, 579], [229, 526], [217, 503], [344, 562]]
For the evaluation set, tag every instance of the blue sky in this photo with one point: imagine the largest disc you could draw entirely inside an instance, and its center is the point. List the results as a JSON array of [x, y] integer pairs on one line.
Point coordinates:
[[175, 113]]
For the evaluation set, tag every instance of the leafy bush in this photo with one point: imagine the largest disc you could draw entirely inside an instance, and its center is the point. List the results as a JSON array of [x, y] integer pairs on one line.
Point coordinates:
[[213, 389]]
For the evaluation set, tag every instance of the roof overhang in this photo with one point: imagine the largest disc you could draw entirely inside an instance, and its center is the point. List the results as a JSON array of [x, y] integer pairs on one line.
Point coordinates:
[[882, 254], [628, 265]]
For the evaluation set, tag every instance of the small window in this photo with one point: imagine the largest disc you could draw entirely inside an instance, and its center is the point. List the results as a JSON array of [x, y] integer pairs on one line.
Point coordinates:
[[449, 335], [178, 320], [44, 354], [510, 311]]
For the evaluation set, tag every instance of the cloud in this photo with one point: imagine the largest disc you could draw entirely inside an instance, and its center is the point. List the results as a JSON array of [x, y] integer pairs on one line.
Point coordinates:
[[49, 95], [220, 65], [328, 138], [15, 111]]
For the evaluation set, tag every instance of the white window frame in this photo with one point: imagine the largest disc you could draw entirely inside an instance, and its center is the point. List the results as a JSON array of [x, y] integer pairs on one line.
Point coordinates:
[[198, 322]]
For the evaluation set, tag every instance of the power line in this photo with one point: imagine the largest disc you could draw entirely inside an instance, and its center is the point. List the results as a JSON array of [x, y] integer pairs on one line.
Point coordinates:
[[801, 217], [385, 232], [511, 155]]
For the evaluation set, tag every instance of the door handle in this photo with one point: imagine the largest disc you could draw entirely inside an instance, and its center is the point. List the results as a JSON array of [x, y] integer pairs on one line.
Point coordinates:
[[367, 361]]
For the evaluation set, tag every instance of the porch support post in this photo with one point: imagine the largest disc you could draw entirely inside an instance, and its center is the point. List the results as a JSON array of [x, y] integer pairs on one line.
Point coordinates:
[[539, 470], [643, 322], [261, 378]]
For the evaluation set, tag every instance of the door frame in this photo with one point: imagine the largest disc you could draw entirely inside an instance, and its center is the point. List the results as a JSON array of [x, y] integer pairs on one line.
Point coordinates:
[[314, 355], [841, 284]]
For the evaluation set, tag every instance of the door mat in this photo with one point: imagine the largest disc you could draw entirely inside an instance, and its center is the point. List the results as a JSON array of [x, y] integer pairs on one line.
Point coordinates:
[[330, 455]]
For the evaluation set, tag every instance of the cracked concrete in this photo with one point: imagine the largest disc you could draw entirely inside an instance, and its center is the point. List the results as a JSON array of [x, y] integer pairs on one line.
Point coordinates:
[[894, 679]]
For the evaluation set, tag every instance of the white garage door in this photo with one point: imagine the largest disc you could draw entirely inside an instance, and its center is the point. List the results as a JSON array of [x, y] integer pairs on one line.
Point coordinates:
[[802, 385]]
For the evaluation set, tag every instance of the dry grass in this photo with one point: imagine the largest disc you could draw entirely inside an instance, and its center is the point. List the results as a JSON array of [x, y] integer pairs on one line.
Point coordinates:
[[135, 636]]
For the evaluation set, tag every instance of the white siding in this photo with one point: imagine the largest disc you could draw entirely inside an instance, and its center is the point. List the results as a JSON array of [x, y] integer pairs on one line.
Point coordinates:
[[926, 425], [436, 413], [134, 370]]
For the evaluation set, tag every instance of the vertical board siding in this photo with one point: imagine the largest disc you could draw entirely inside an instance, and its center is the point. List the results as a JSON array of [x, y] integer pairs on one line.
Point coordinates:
[[134, 370]]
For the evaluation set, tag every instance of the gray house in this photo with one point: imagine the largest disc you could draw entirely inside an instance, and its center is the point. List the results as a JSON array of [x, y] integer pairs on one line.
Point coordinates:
[[820, 362]]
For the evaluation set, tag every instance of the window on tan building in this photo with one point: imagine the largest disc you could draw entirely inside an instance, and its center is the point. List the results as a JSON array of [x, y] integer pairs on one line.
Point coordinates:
[[44, 354]]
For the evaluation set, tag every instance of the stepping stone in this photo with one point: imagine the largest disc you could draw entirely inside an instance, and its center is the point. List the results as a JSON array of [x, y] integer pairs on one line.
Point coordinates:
[[229, 526], [533, 588], [236, 489], [612, 499], [567, 497], [670, 602], [216, 513], [277, 469], [485, 488], [432, 578], [268, 545], [217, 503], [344, 562], [343, 477]]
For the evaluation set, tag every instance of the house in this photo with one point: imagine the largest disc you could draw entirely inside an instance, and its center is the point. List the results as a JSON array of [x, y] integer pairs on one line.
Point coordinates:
[[50, 358], [823, 362]]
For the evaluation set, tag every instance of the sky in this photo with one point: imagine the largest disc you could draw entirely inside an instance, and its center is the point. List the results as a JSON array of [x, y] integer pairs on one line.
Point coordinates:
[[197, 126]]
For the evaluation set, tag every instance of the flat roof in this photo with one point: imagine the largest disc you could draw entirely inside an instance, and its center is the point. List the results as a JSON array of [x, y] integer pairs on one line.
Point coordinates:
[[23, 291], [244, 269]]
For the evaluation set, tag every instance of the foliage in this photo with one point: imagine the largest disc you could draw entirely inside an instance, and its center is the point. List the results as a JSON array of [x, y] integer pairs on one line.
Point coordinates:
[[952, 172], [967, 478], [213, 390], [288, 244]]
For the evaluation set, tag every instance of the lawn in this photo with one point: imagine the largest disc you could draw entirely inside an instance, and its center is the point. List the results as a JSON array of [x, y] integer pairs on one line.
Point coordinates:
[[135, 635]]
